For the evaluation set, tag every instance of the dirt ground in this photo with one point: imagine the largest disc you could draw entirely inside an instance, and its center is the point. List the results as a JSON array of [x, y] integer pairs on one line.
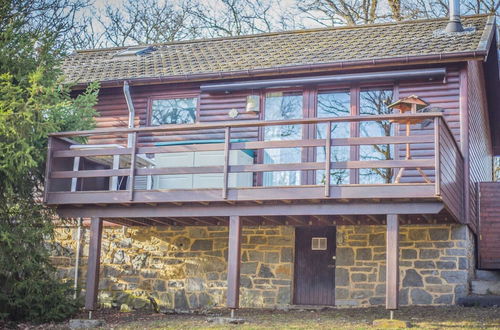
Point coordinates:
[[419, 317]]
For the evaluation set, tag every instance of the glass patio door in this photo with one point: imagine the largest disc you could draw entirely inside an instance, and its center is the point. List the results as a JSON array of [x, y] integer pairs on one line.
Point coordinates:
[[282, 106]]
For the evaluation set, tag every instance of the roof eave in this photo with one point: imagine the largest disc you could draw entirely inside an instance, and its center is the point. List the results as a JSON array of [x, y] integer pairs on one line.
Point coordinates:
[[480, 54]]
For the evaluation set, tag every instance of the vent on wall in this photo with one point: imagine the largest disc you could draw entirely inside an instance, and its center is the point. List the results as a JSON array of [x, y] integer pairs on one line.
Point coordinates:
[[134, 51]]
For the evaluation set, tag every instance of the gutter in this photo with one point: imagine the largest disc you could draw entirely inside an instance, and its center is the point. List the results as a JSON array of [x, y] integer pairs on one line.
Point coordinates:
[[131, 111], [302, 68]]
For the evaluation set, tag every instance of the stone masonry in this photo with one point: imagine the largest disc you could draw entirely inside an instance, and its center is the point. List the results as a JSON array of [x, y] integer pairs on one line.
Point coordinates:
[[185, 267], [436, 263]]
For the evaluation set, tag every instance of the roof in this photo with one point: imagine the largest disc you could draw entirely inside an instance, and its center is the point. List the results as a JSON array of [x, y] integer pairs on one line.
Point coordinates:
[[302, 48]]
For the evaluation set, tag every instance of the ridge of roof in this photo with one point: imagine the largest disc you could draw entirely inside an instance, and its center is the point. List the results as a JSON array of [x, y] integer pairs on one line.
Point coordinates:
[[279, 33]]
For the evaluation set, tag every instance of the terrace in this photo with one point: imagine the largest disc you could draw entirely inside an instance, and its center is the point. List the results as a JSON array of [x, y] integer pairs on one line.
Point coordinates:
[[276, 179]]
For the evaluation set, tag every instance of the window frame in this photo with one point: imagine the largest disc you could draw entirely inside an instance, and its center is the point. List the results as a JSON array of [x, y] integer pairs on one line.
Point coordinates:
[[151, 99]]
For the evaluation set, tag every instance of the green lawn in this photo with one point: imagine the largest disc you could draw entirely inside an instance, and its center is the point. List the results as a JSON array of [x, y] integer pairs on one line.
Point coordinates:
[[419, 317]]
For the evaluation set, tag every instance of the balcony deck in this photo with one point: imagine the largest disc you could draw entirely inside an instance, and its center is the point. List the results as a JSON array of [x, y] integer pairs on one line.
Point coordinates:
[[92, 179]]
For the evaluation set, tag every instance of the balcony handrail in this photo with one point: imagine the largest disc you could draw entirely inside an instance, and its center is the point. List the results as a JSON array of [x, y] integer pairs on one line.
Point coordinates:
[[248, 123]]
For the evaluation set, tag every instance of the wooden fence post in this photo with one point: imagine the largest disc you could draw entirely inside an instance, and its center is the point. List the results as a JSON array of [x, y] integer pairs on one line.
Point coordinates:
[[233, 262], [93, 264], [392, 262]]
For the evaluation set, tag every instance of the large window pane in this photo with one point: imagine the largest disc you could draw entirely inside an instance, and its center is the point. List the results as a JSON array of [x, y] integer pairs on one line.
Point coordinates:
[[173, 111], [375, 102], [282, 106], [333, 104]]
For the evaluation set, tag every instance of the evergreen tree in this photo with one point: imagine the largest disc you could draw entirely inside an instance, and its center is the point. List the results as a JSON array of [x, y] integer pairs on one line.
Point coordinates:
[[33, 102]]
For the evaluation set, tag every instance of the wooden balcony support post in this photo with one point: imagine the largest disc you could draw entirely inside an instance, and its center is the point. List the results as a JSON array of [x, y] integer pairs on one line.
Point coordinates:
[[233, 263], [131, 178], [93, 264], [328, 157], [227, 146], [392, 263]]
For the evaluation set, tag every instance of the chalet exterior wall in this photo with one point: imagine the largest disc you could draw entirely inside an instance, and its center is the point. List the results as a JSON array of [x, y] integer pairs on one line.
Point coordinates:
[[185, 267], [436, 263]]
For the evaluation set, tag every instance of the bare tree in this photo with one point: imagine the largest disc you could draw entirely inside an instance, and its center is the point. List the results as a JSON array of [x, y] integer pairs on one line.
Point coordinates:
[[146, 22], [219, 18]]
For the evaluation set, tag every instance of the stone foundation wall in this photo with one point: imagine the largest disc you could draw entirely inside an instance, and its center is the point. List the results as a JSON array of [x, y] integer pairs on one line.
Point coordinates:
[[183, 267], [436, 264]]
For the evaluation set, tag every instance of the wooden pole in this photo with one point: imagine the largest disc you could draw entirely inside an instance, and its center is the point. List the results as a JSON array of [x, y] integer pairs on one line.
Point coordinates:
[[392, 263], [93, 264], [233, 262]]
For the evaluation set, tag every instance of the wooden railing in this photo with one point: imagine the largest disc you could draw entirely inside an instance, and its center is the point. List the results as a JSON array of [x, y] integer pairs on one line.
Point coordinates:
[[441, 162]]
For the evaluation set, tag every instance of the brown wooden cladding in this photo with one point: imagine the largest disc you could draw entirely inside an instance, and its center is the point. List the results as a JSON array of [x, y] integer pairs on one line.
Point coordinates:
[[451, 173], [439, 94], [479, 143], [212, 108], [489, 225]]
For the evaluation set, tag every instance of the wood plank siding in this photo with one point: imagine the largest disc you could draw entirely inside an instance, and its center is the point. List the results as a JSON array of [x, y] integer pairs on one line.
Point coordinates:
[[489, 226], [479, 143], [440, 94]]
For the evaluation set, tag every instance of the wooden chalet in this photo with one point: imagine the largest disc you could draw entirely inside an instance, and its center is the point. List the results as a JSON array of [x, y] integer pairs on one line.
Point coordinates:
[[328, 132]]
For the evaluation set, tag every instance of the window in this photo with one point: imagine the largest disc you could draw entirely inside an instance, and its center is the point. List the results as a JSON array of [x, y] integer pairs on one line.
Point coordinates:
[[283, 106], [334, 104], [375, 102], [173, 111], [318, 243]]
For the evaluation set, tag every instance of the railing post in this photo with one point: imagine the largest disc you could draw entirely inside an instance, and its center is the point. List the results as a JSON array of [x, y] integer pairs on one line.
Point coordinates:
[[132, 166], [437, 156], [227, 146], [48, 168], [328, 149]]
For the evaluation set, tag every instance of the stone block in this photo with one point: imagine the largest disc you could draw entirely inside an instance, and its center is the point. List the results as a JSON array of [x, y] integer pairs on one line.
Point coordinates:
[[159, 286], [345, 256], [429, 254], [403, 296], [248, 268], [265, 272], [197, 232], [255, 256], [358, 277], [341, 293], [424, 264], [456, 252], [417, 234], [412, 279], [459, 232], [446, 265], [408, 254], [376, 240], [202, 245], [257, 240], [286, 254], [463, 263], [439, 234], [380, 289], [341, 277], [445, 299], [180, 300], [361, 294], [420, 297], [364, 254], [272, 257], [375, 301], [284, 295], [433, 280], [245, 282], [459, 276]]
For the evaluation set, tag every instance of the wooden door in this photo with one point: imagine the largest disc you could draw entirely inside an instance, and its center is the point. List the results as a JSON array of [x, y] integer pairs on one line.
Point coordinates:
[[314, 266]]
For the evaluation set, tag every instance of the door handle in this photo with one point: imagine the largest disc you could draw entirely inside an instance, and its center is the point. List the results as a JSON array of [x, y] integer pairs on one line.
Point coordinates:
[[331, 266]]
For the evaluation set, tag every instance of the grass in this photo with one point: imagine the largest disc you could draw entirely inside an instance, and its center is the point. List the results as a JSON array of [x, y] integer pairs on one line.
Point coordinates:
[[449, 317]]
